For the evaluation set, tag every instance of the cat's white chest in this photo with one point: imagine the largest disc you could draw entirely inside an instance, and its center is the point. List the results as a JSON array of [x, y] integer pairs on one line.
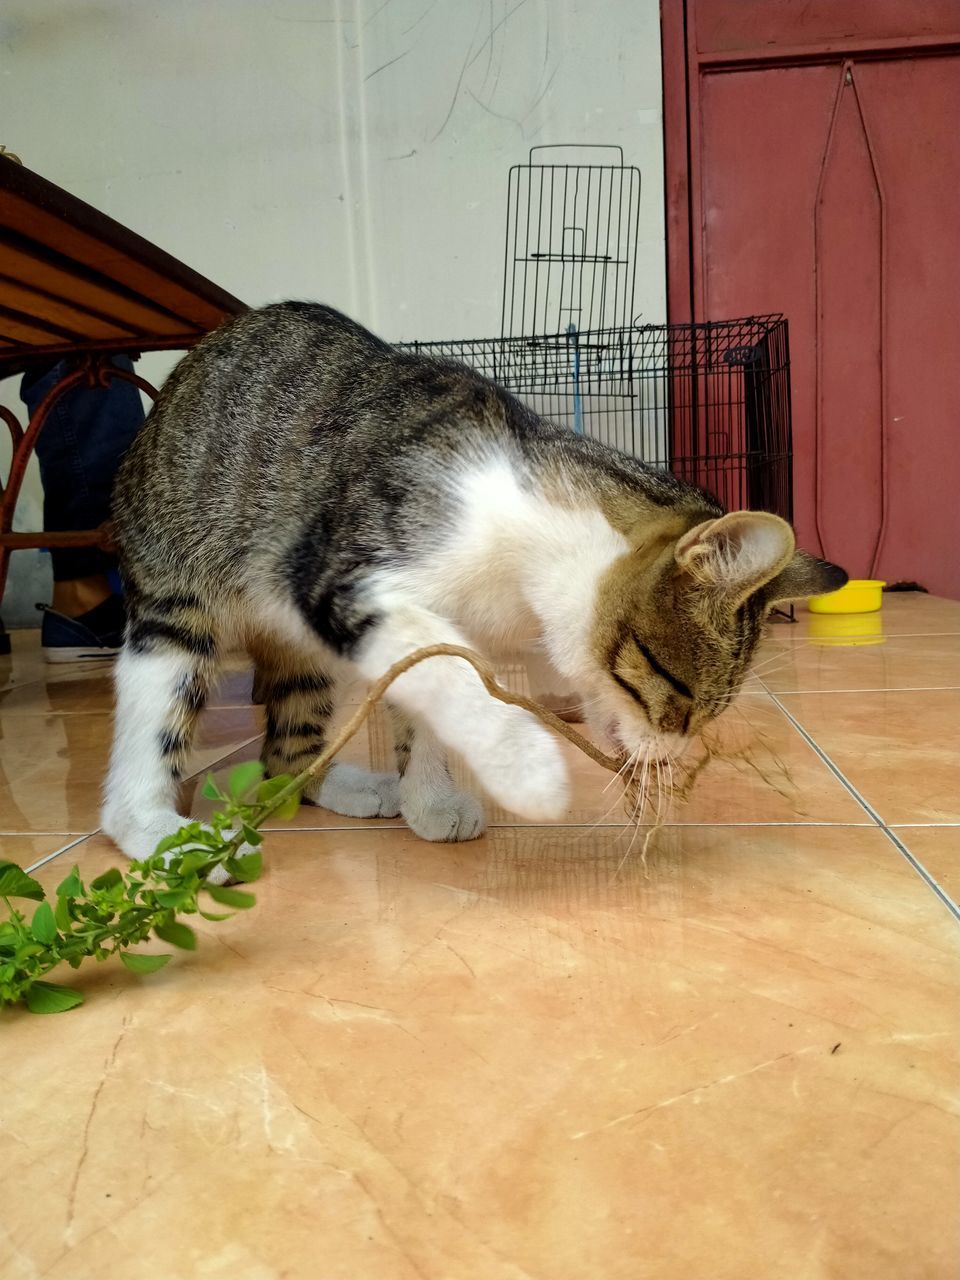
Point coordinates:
[[519, 566], [513, 568]]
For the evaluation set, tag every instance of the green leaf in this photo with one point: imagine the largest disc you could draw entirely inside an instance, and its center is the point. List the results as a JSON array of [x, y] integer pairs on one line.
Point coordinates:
[[268, 789], [251, 835], [192, 839], [177, 934], [244, 778], [15, 883], [72, 887], [168, 843], [228, 897], [288, 809], [174, 898], [46, 997], [191, 862], [107, 880], [247, 868], [43, 926], [215, 915], [137, 962], [210, 790]]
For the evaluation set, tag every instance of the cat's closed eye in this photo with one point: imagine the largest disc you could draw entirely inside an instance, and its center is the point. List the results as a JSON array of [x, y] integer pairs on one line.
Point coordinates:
[[633, 692], [675, 683]]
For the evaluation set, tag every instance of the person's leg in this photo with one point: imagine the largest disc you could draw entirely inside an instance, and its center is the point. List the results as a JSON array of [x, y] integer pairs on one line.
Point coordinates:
[[86, 434]]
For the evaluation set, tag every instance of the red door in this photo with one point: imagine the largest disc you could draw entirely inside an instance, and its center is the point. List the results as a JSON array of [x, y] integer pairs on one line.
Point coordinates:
[[813, 168]]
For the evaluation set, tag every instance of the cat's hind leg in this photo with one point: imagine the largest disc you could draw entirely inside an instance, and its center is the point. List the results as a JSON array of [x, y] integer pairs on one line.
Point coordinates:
[[432, 805], [298, 698]]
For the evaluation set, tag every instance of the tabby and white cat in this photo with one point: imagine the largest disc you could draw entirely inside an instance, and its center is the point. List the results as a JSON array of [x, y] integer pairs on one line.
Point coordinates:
[[307, 491]]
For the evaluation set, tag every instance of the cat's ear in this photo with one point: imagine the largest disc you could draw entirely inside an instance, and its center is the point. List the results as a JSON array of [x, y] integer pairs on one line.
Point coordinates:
[[803, 577], [736, 554]]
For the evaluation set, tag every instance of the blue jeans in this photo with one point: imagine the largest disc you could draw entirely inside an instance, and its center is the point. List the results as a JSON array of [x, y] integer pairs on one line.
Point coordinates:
[[79, 448]]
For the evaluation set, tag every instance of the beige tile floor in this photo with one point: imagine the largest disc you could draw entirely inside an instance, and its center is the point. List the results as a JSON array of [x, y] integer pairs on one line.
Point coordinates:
[[519, 1059]]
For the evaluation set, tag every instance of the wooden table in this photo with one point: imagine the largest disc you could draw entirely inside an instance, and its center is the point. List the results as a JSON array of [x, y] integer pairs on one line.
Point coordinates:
[[76, 285]]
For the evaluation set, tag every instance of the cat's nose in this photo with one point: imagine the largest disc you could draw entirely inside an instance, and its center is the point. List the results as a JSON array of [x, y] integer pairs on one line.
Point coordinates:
[[676, 717]]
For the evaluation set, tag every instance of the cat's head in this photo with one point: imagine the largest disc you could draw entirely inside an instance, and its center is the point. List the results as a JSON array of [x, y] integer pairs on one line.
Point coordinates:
[[678, 620]]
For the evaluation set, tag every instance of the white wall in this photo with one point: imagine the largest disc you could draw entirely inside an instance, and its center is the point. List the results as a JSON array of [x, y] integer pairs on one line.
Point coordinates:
[[353, 151]]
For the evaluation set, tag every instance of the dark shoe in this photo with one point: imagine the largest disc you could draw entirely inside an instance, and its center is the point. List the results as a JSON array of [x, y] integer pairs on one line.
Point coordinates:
[[95, 634]]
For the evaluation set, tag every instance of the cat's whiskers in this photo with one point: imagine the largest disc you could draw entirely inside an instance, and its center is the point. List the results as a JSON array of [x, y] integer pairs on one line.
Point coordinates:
[[618, 776], [640, 800], [646, 753], [579, 705], [632, 791], [633, 759], [770, 668], [768, 662], [658, 816], [660, 770], [630, 762], [779, 655]]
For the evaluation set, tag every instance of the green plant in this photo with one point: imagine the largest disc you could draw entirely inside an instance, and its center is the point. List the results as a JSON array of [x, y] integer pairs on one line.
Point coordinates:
[[120, 909]]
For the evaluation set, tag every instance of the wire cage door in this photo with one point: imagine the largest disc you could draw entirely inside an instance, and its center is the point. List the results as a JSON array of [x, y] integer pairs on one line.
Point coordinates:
[[570, 252]]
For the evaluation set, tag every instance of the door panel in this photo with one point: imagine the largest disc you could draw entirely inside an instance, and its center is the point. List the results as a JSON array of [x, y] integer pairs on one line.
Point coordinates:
[[829, 188], [913, 109]]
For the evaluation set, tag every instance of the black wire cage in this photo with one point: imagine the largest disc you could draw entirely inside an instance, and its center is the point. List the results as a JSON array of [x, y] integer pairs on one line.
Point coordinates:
[[709, 402]]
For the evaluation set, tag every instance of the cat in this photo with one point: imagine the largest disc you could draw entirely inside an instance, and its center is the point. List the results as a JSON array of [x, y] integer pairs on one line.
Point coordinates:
[[331, 503]]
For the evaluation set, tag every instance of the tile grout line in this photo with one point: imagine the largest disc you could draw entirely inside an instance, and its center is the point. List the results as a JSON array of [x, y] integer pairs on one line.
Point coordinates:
[[99, 830], [212, 765], [897, 843], [66, 849], [899, 635], [571, 826], [917, 688], [37, 834], [104, 711], [899, 826]]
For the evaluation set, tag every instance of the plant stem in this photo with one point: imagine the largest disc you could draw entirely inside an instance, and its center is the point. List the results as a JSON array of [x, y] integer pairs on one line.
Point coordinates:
[[486, 673]]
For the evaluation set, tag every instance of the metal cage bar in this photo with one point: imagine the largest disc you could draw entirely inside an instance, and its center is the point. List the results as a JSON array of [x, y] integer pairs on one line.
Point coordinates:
[[709, 402]]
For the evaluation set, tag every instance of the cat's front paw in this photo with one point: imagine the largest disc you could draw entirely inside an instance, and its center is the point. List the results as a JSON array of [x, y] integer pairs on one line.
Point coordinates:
[[524, 769], [443, 816], [138, 838], [357, 793]]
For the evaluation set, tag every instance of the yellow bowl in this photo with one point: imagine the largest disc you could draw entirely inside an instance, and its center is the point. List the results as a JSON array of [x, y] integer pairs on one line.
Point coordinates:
[[860, 595]]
